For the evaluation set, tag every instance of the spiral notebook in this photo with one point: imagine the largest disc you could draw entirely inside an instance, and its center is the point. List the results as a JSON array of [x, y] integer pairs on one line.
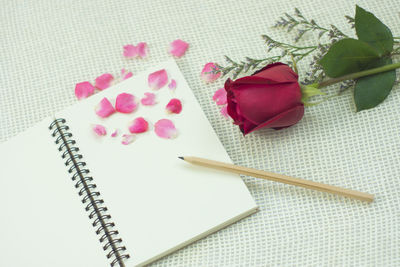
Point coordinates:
[[69, 198]]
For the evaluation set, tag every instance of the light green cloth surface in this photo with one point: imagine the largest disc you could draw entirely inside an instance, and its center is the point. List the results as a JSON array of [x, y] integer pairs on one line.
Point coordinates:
[[49, 46]]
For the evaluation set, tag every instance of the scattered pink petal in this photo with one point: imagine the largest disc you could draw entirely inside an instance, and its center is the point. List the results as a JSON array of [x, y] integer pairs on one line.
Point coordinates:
[[83, 90], [224, 111], [99, 130], [139, 125], [208, 73], [125, 103], [220, 96], [103, 81], [130, 51], [172, 85], [178, 48], [125, 74], [174, 106], [157, 79], [127, 139], [142, 49], [149, 99], [165, 128], [115, 133], [104, 108]]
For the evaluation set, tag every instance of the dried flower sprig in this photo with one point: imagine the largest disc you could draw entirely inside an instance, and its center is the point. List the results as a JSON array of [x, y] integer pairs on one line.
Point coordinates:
[[351, 21], [303, 25], [300, 23], [289, 51], [248, 64]]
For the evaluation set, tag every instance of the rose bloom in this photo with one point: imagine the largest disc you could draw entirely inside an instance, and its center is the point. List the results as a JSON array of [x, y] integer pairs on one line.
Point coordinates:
[[270, 98]]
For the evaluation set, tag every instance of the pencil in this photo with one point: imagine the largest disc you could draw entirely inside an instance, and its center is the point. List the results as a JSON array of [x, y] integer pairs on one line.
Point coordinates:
[[279, 178]]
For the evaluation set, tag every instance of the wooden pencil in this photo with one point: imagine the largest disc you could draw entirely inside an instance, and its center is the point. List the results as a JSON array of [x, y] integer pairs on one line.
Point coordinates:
[[279, 178]]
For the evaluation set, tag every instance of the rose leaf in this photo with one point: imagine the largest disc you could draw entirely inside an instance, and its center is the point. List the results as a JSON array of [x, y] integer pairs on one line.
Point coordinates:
[[371, 30], [372, 90], [348, 56]]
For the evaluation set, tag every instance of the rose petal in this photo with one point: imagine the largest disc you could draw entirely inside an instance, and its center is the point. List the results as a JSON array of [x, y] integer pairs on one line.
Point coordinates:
[[149, 99], [178, 48], [100, 130], [220, 96], [224, 111], [83, 90], [125, 103], [208, 73], [142, 49], [172, 85], [165, 128], [277, 73], [174, 106], [130, 51], [283, 120], [127, 139], [125, 74], [115, 133], [157, 79], [104, 108], [139, 125], [103, 81]]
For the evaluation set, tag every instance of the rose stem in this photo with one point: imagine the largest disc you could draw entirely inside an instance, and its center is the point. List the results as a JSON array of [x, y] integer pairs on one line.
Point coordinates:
[[360, 74]]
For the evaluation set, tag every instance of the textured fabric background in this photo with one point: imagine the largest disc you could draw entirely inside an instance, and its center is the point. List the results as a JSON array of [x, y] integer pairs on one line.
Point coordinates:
[[49, 46]]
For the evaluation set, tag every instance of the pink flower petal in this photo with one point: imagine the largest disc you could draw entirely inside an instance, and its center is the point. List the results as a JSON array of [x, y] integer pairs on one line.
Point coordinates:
[[103, 81], [100, 130], [220, 96], [142, 49], [104, 108], [224, 111], [174, 106], [208, 73], [125, 103], [139, 125], [172, 85], [178, 48], [149, 99], [157, 79], [125, 74], [83, 90], [165, 128], [127, 139], [115, 133], [130, 51]]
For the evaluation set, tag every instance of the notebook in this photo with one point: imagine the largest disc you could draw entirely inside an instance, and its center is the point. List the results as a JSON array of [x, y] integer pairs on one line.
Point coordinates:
[[115, 205]]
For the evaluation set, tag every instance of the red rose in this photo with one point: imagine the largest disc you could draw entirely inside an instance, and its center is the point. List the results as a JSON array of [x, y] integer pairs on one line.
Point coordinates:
[[270, 98]]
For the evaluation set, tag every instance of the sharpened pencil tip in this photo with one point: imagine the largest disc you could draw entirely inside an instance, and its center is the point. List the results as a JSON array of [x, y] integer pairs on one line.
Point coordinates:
[[182, 158]]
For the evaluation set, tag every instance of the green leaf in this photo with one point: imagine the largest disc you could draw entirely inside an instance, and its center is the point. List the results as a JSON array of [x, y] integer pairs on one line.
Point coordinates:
[[371, 30], [372, 90], [348, 56]]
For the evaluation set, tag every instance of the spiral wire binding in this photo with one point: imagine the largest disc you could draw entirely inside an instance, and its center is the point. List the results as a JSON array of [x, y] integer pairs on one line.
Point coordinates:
[[112, 244]]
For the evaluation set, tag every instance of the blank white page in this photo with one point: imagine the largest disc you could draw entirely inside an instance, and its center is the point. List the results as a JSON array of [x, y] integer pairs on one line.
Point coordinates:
[[159, 202], [43, 222]]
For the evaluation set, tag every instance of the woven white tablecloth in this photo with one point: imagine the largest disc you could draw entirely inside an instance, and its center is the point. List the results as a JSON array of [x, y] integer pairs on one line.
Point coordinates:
[[48, 46]]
